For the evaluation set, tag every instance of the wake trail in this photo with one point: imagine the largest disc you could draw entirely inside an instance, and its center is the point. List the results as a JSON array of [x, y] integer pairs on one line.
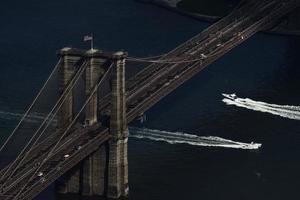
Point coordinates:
[[31, 118], [156, 135], [184, 138], [286, 111]]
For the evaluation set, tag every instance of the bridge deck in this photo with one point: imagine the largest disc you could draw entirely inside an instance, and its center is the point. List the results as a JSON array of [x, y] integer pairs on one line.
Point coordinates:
[[147, 88]]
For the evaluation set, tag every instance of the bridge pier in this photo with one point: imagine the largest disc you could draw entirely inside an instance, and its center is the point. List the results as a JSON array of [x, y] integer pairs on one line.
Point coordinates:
[[69, 57], [95, 173], [94, 72], [118, 163], [69, 183], [105, 171], [94, 167]]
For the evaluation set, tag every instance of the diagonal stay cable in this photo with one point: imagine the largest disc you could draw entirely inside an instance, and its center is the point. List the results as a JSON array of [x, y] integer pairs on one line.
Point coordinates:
[[64, 95], [57, 106], [31, 106], [66, 131]]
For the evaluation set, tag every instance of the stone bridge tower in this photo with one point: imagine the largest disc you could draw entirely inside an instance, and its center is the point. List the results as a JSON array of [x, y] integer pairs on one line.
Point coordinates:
[[105, 171]]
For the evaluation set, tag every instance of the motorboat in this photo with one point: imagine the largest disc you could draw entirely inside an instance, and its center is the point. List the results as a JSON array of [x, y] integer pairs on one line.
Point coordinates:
[[230, 96]]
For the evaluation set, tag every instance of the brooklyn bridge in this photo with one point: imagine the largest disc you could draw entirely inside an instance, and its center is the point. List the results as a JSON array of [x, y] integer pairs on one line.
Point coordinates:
[[81, 142]]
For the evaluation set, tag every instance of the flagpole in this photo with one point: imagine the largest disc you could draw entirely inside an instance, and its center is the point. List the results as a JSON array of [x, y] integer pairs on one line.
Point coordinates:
[[92, 42], [89, 38]]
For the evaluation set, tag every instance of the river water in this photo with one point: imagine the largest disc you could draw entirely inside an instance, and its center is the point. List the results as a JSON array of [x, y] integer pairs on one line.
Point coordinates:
[[265, 69]]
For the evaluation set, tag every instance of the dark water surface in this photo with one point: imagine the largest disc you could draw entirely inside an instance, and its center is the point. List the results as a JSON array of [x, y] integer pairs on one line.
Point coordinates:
[[264, 68], [209, 7]]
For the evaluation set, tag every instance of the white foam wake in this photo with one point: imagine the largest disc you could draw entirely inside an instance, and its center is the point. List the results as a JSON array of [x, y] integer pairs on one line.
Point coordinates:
[[286, 111], [31, 118], [184, 138]]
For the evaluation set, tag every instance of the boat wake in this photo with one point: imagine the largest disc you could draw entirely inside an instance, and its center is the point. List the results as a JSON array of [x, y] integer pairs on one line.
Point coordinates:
[[286, 111], [31, 118], [184, 138], [156, 135]]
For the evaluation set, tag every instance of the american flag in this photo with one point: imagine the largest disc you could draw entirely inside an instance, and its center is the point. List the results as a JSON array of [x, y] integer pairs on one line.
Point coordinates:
[[87, 38]]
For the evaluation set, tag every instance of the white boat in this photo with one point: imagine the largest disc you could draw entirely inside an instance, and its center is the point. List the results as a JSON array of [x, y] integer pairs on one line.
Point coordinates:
[[230, 96]]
